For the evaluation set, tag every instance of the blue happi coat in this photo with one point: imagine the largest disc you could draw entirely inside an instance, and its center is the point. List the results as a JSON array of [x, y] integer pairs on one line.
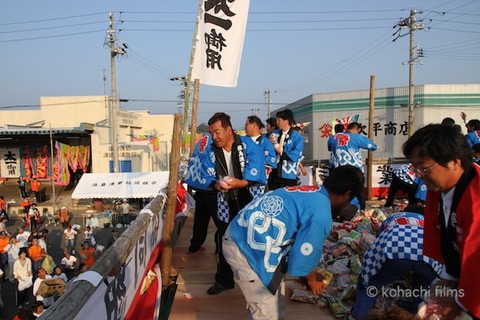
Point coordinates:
[[268, 151], [201, 167], [473, 137], [292, 154], [347, 147], [201, 173], [293, 221], [270, 161]]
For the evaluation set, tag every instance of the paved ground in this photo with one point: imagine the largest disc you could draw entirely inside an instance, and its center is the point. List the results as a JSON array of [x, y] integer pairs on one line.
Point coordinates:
[[55, 242]]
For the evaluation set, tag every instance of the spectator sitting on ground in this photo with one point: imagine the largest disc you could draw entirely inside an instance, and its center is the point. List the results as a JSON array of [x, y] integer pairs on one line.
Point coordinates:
[[41, 276], [58, 274], [69, 264], [82, 268], [87, 254], [64, 217], [38, 308]]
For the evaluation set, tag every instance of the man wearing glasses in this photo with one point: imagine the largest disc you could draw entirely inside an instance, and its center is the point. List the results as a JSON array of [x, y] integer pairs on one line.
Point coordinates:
[[443, 159]]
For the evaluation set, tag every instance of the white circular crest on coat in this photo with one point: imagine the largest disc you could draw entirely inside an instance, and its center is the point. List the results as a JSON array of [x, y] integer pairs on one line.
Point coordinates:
[[272, 206], [306, 249]]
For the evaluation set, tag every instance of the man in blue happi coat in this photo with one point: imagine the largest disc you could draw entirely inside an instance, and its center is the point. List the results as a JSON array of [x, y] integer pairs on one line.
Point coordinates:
[[231, 165], [288, 144], [283, 231]]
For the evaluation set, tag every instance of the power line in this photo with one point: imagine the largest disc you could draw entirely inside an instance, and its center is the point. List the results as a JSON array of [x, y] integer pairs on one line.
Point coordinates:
[[53, 36], [52, 19]]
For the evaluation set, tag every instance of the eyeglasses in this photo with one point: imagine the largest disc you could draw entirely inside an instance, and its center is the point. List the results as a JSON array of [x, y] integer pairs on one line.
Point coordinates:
[[423, 171]]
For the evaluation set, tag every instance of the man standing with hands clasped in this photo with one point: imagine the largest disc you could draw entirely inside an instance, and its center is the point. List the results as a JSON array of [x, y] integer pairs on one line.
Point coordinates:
[[283, 231], [443, 158], [235, 164], [288, 145]]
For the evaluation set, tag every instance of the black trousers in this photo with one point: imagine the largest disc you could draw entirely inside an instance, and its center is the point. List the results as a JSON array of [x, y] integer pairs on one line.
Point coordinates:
[[224, 274], [274, 182], [205, 208], [398, 184]]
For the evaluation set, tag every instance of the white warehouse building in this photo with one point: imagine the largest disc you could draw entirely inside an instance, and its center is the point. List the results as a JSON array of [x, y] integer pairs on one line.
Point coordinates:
[[433, 102]]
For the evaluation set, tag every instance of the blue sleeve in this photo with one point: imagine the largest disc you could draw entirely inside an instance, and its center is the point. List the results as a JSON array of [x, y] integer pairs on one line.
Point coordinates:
[[473, 138], [201, 167], [294, 147], [269, 152], [331, 142], [307, 248], [365, 143], [255, 162]]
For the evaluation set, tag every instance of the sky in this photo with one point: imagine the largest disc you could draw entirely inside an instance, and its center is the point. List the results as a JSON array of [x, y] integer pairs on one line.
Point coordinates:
[[292, 48]]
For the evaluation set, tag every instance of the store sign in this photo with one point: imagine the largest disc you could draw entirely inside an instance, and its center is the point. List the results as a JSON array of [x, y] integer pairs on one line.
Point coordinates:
[[9, 163]]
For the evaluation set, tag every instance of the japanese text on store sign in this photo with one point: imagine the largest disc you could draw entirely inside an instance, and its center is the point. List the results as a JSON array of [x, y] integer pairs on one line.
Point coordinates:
[[214, 40], [389, 129]]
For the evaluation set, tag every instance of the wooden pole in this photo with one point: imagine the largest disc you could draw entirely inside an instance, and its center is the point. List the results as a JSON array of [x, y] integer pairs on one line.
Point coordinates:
[[193, 130], [171, 201], [370, 136], [189, 80]]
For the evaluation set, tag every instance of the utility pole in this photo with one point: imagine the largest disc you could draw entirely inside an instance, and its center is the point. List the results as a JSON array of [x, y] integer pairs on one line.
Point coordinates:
[[268, 97], [114, 103], [189, 84], [54, 196], [412, 24]]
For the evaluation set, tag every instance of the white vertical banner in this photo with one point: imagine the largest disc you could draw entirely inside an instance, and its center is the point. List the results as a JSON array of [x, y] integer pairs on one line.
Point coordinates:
[[219, 41], [9, 163]]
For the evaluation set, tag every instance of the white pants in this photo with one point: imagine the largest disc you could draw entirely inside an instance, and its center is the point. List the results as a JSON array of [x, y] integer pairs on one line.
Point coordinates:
[[261, 303]]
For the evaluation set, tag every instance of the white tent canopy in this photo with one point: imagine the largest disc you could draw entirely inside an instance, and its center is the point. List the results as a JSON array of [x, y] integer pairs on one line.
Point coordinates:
[[121, 185]]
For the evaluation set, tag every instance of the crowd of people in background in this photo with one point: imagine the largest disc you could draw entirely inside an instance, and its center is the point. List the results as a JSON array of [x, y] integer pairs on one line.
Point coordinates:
[[26, 262]]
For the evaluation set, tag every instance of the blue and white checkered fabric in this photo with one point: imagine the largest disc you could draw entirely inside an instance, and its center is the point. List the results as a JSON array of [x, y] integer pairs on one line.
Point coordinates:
[[256, 191], [405, 173], [223, 213], [397, 242]]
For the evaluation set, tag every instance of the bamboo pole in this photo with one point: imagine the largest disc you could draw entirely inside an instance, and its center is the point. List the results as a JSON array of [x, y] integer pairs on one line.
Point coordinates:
[[193, 130], [370, 136], [171, 201]]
